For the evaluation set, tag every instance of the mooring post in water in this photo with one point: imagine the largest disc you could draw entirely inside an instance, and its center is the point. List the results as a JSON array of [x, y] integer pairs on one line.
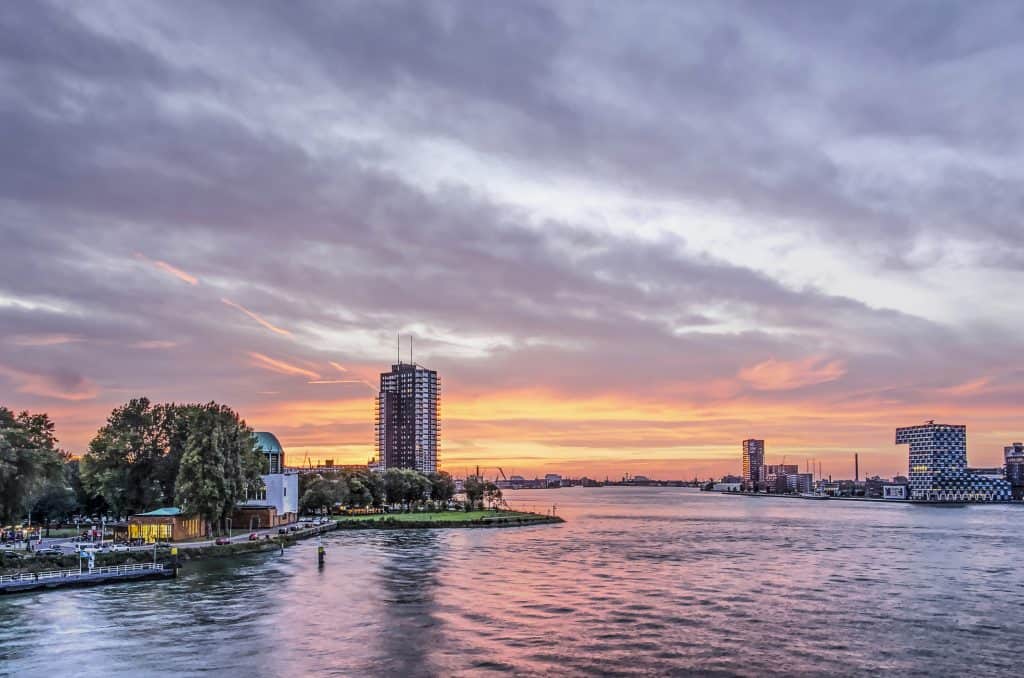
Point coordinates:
[[320, 554], [174, 560]]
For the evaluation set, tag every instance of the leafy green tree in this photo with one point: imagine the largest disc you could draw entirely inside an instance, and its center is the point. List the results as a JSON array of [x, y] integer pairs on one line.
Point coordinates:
[[87, 503], [219, 466], [374, 483], [323, 494], [170, 432], [492, 493], [474, 491], [359, 493], [319, 497], [201, 486], [417, 487], [442, 487], [56, 501], [28, 460], [341, 492], [395, 485], [124, 460]]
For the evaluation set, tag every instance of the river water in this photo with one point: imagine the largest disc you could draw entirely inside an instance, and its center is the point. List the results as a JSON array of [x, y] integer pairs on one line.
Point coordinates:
[[639, 581]]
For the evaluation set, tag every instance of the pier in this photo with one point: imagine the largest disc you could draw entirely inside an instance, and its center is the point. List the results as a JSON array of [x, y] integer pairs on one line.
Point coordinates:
[[17, 583]]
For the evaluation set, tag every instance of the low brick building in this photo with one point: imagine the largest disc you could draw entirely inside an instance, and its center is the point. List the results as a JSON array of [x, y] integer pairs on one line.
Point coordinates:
[[256, 517], [166, 524]]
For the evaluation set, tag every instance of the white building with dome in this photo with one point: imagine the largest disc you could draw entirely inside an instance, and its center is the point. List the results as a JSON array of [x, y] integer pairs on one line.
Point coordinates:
[[281, 490]]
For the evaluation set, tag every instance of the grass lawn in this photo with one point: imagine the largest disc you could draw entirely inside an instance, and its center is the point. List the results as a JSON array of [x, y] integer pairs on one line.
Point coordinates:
[[438, 516], [63, 532]]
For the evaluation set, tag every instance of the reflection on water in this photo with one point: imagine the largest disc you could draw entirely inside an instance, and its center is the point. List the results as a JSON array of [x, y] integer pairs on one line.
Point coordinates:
[[638, 581], [408, 581]]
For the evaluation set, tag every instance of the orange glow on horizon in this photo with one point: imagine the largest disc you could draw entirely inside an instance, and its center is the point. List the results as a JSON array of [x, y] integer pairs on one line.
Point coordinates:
[[537, 431]]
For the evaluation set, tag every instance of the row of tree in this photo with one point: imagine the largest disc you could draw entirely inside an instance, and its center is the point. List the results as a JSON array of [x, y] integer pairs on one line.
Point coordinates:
[[199, 457], [404, 487]]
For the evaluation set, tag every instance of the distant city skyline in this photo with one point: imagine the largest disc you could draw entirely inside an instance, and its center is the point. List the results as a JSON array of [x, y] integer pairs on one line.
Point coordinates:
[[628, 235]]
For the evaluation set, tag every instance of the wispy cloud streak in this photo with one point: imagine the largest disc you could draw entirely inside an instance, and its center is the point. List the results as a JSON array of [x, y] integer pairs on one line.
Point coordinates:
[[280, 366], [169, 269], [262, 321]]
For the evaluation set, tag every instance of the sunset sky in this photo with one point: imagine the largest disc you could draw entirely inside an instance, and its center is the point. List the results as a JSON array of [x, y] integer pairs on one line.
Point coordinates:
[[626, 234]]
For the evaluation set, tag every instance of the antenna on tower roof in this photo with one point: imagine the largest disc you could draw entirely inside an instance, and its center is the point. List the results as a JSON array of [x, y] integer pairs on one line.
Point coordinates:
[[399, 338], [410, 351]]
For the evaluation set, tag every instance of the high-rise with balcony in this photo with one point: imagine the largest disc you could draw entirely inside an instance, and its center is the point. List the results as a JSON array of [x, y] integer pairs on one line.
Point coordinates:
[[938, 466], [1013, 456], [753, 460], [407, 414]]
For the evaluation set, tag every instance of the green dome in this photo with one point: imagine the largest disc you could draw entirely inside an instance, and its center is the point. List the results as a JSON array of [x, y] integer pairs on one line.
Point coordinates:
[[268, 443]]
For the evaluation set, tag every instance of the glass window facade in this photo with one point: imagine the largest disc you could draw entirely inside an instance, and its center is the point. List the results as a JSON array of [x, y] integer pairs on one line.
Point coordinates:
[[407, 430], [753, 460], [938, 466], [151, 532]]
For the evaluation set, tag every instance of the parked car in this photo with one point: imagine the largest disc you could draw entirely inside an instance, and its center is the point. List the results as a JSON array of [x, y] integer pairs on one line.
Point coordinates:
[[222, 541], [253, 536], [120, 548], [281, 530], [293, 528], [49, 552]]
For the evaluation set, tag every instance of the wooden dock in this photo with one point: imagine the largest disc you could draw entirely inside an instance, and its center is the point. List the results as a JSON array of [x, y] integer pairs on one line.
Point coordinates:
[[53, 579]]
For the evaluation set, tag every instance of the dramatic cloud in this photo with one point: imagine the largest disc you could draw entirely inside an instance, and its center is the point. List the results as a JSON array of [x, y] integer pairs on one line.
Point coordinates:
[[627, 235]]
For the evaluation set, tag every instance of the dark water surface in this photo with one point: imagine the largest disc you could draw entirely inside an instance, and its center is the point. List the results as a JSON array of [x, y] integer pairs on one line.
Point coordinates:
[[638, 581]]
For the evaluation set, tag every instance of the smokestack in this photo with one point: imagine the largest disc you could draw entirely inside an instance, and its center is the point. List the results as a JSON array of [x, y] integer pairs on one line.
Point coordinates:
[[856, 467]]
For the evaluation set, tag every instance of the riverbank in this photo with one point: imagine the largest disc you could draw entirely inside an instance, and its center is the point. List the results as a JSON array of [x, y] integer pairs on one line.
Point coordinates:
[[34, 564], [868, 500], [444, 520], [385, 521], [773, 495]]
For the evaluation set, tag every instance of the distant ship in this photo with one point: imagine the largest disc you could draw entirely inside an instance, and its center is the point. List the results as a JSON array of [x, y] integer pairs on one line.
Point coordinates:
[[813, 495]]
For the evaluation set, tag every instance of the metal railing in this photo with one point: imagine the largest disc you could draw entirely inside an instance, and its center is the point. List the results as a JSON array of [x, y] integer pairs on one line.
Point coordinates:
[[116, 570]]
